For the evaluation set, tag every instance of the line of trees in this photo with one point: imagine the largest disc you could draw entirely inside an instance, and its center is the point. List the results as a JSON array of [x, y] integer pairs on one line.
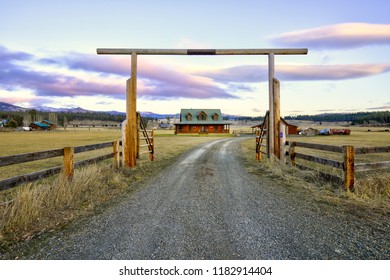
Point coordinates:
[[359, 118]]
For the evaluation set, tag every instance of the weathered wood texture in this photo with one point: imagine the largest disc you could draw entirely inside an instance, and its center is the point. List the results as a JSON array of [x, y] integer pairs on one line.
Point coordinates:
[[349, 167], [27, 157], [322, 147], [271, 115], [68, 162], [323, 161], [17, 180], [276, 120], [122, 51], [372, 166], [371, 150]]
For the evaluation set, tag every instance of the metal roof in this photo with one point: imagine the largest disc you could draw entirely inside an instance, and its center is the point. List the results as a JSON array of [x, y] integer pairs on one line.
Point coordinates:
[[40, 124], [196, 112]]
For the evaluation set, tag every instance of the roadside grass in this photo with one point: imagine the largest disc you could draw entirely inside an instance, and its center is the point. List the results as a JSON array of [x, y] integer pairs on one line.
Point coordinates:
[[52, 203]]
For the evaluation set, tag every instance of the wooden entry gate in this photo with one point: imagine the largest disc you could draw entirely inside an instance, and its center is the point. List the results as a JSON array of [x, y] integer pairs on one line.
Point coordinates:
[[130, 124]]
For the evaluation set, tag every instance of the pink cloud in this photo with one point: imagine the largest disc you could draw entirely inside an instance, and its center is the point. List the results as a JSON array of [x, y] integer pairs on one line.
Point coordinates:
[[344, 35], [258, 73], [155, 81]]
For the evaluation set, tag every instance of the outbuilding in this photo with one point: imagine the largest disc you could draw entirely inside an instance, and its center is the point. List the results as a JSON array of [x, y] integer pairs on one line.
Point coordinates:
[[39, 126]]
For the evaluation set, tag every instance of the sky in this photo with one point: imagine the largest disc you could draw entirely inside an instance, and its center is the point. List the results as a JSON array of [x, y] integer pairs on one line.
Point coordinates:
[[48, 54]]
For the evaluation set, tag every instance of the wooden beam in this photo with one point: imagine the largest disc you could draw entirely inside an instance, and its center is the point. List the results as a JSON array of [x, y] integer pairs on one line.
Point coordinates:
[[124, 51]]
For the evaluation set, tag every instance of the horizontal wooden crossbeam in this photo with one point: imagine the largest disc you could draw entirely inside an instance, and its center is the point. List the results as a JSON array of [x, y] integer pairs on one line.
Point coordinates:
[[202, 51]]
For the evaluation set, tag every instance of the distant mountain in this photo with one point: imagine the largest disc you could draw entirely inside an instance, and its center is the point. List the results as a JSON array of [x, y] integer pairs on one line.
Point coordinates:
[[158, 116], [11, 108]]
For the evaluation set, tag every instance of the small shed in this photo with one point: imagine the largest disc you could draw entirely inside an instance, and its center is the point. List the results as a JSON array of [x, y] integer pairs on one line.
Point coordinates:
[[291, 129], [39, 126], [310, 132]]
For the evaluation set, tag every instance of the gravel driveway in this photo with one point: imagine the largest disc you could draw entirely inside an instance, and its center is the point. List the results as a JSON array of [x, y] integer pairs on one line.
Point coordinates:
[[206, 206]]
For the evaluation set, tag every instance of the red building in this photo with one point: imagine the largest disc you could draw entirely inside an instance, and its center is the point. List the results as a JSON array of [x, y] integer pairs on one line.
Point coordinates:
[[201, 121]]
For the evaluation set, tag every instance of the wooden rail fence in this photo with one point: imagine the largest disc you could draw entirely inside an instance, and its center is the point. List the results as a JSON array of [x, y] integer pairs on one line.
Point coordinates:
[[347, 165], [68, 162]]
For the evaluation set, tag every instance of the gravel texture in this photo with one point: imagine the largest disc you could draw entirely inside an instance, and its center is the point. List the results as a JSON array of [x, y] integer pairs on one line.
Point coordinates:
[[206, 206]]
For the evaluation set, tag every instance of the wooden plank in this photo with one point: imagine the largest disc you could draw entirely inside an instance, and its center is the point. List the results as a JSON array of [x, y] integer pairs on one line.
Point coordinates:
[[86, 148], [145, 145], [372, 166], [27, 157], [322, 147], [125, 51], [92, 160], [333, 178], [17, 180], [371, 150], [319, 160], [349, 167]]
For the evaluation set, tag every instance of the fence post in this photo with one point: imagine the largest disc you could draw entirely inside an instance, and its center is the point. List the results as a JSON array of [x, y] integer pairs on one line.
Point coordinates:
[[151, 156], [115, 146], [258, 147], [138, 133], [349, 167], [291, 152], [68, 162]]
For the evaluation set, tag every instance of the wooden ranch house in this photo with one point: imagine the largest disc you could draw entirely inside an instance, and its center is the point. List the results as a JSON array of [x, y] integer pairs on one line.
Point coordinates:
[[201, 121]]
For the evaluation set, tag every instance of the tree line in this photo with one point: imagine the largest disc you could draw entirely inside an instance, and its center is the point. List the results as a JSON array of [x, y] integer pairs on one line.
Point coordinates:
[[16, 119], [380, 117]]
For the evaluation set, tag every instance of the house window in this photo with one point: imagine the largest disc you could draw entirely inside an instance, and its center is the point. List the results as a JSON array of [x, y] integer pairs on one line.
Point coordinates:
[[202, 116], [189, 117], [215, 117]]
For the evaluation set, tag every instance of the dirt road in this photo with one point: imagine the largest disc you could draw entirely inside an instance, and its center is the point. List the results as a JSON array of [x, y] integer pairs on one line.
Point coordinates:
[[206, 206]]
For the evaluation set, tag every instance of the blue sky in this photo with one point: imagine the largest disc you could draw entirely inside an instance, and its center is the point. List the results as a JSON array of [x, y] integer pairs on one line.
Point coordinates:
[[48, 54]]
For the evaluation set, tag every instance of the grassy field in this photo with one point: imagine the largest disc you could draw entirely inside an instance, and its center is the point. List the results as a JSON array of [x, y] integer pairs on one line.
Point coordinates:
[[51, 203]]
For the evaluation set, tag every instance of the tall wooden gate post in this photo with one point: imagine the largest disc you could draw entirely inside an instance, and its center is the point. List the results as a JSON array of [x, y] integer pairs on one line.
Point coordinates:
[[271, 127], [130, 129]]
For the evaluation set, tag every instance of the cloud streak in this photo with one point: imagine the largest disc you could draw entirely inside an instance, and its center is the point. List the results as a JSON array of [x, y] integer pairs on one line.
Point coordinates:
[[259, 73], [338, 36]]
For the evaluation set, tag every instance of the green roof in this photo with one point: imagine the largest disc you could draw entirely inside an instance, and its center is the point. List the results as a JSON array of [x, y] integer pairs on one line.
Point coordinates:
[[212, 116]]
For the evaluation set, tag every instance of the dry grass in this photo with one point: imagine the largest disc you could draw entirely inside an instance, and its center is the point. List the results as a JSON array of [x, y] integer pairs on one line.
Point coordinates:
[[41, 206]]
